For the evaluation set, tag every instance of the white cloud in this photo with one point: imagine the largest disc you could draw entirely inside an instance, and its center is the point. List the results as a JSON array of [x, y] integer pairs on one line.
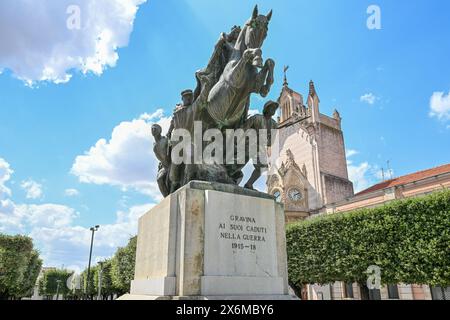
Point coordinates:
[[158, 114], [358, 174], [9, 221], [56, 234], [126, 159], [351, 152], [364, 174], [108, 235], [46, 215], [37, 45], [5, 175], [18, 218], [71, 192], [369, 98], [32, 188], [440, 106], [70, 244]]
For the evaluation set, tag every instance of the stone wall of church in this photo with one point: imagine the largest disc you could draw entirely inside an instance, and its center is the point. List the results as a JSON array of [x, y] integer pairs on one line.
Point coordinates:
[[297, 140], [316, 143], [336, 189], [332, 152]]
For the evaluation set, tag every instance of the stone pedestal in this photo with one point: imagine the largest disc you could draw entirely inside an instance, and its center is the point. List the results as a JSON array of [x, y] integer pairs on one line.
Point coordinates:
[[212, 241]]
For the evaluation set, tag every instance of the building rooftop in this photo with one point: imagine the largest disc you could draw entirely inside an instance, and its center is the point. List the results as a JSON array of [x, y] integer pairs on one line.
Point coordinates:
[[409, 178]]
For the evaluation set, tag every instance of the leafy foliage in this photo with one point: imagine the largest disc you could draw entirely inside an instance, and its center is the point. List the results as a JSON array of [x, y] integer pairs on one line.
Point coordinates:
[[102, 275], [31, 274], [116, 275], [122, 268], [408, 239], [54, 282], [19, 266], [89, 290]]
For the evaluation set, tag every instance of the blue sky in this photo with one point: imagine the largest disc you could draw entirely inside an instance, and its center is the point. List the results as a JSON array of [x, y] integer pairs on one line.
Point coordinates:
[[381, 81]]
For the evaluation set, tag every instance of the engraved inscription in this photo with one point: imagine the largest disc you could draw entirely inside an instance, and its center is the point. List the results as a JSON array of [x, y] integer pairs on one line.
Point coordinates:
[[244, 232]]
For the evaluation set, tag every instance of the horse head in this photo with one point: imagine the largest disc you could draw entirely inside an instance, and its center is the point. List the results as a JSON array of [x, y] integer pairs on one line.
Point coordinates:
[[255, 31]]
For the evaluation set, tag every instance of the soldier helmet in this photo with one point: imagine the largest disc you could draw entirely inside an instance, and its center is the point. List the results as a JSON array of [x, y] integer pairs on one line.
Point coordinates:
[[187, 92], [270, 107]]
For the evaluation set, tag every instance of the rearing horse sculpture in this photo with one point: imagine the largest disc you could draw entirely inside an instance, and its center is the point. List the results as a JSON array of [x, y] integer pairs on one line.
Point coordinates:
[[227, 101], [221, 101]]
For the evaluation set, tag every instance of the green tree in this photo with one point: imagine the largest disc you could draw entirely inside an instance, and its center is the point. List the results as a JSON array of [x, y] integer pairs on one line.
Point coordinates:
[[31, 274], [122, 269], [89, 291], [54, 282], [103, 271], [19, 266], [408, 239]]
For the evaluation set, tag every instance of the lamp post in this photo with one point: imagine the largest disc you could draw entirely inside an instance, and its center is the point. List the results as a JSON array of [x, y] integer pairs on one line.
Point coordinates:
[[93, 229], [58, 282], [100, 275]]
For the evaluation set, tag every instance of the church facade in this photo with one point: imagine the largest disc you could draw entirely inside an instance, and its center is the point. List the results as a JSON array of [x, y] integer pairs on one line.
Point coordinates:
[[311, 170], [310, 178]]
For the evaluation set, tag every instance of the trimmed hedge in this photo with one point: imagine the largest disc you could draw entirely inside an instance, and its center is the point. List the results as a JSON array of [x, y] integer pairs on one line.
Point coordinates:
[[408, 239]]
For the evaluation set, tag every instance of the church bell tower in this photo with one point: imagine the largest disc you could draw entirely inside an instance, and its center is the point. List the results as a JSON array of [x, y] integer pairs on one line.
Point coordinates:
[[311, 170]]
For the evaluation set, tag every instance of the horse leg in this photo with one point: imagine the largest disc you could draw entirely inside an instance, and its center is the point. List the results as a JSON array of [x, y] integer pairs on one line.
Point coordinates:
[[256, 174], [264, 78], [236, 75]]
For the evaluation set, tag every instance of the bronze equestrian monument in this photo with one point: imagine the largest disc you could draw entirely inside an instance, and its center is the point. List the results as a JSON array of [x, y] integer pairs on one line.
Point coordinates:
[[209, 238]]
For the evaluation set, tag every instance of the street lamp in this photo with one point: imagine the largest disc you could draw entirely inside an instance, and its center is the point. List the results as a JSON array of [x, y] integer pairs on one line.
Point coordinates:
[[58, 282], [100, 275], [93, 229]]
